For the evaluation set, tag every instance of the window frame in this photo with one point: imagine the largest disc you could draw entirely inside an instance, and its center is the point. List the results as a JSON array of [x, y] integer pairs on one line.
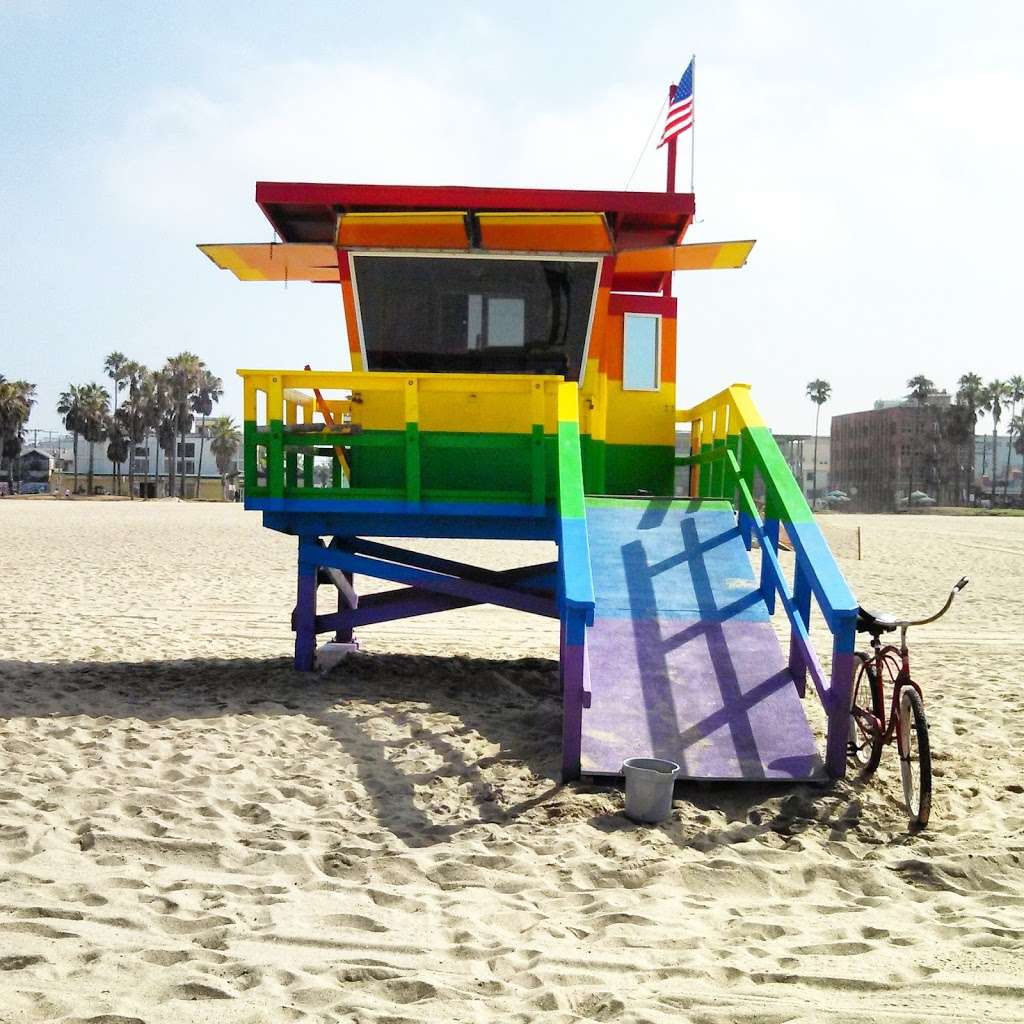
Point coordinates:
[[657, 350], [462, 254]]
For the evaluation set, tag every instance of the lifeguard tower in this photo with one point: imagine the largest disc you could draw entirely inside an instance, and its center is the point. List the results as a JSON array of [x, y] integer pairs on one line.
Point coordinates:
[[513, 375]]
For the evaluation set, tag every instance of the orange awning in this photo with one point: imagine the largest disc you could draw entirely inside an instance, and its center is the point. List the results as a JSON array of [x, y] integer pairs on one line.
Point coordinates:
[[702, 256], [405, 230], [544, 232], [276, 261]]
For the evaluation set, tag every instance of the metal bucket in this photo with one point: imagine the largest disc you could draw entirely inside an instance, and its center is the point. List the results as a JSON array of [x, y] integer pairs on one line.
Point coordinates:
[[649, 783]]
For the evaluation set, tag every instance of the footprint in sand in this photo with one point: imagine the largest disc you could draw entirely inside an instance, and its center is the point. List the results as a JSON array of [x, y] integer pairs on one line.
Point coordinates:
[[353, 922]]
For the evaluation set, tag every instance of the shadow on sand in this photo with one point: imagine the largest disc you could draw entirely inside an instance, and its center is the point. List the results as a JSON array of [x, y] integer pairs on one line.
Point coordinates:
[[512, 705]]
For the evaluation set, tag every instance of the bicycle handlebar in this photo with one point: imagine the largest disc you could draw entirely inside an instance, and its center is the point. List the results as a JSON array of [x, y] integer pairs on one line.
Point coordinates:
[[960, 584]]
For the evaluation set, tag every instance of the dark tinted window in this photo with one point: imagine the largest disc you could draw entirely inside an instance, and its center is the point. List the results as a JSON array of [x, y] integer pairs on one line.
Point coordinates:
[[466, 315]]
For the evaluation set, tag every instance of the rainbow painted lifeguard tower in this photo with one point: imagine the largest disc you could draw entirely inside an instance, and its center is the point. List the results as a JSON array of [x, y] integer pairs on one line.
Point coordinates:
[[513, 375]]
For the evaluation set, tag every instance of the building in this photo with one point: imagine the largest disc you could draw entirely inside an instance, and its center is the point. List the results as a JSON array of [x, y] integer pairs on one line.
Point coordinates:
[[798, 450], [150, 466], [31, 471], [989, 471], [881, 455]]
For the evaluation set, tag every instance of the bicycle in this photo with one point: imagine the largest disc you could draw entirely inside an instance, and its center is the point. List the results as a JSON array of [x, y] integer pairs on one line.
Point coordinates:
[[869, 729]]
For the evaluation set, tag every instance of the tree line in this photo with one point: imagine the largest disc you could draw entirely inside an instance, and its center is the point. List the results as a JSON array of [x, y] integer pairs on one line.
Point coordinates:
[[161, 403]]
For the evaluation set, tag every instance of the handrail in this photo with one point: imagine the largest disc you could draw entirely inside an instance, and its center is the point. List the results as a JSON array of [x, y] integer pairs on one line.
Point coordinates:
[[730, 446]]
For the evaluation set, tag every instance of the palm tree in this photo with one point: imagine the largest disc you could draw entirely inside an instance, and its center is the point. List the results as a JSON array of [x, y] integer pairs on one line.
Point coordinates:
[[1016, 431], [16, 400], [155, 395], [166, 439], [1015, 389], [95, 421], [818, 391], [69, 408], [131, 417], [184, 372], [919, 389], [225, 439], [208, 393], [970, 394], [114, 367], [996, 393], [119, 444], [957, 426]]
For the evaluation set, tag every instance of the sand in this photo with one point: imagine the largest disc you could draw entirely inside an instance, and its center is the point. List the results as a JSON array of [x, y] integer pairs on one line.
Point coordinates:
[[191, 832]]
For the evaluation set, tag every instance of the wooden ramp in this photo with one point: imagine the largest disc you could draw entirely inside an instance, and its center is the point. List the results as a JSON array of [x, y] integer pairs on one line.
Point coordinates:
[[684, 662]]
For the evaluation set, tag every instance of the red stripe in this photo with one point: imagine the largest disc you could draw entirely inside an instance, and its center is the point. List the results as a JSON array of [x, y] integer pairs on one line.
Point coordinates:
[[677, 126], [680, 106], [671, 133]]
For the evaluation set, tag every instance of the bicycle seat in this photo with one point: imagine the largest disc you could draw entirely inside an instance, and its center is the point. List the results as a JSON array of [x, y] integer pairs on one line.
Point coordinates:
[[875, 623]]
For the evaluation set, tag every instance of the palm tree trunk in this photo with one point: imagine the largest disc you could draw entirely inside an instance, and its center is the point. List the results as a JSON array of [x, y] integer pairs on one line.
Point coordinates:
[[814, 469], [1009, 452], [910, 466], [92, 452], [199, 464], [181, 448], [995, 450], [74, 455]]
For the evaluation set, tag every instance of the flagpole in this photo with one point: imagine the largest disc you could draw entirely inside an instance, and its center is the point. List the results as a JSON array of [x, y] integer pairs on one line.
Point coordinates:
[[693, 122], [670, 184]]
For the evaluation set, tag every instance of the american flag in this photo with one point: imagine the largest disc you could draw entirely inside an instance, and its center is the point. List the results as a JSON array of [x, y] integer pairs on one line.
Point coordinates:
[[680, 109]]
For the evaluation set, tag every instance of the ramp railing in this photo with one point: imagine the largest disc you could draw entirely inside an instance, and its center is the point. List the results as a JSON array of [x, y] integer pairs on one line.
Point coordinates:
[[376, 441], [731, 448]]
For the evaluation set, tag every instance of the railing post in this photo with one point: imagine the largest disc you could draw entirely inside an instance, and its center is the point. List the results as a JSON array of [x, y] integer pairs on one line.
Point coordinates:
[[771, 537], [695, 474], [538, 482], [275, 444], [412, 440], [840, 694], [291, 459], [732, 443], [747, 476], [707, 439], [802, 604], [719, 468], [249, 435]]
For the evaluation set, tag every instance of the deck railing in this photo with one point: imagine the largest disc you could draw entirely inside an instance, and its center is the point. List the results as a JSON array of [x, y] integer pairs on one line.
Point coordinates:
[[730, 448], [282, 443]]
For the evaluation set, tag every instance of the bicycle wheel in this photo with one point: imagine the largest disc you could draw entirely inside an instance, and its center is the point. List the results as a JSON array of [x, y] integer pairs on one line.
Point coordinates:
[[915, 757], [867, 712]]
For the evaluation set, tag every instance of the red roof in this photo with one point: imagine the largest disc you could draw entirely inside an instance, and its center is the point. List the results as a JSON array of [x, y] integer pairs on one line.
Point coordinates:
[[302, 212]]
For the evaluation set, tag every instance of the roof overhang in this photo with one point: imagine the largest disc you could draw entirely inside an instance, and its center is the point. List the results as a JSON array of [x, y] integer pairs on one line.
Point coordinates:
[[641, 230], [304, 212]]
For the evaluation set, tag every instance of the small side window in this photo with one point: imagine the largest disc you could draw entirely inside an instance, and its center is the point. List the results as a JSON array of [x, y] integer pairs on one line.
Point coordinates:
[[641, 352]]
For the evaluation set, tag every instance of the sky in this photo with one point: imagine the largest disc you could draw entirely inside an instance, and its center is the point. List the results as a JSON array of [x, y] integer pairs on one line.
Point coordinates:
[[869, 148]]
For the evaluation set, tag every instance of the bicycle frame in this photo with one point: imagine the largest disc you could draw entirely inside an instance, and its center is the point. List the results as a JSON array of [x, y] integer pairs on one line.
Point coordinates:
[[886, 659]]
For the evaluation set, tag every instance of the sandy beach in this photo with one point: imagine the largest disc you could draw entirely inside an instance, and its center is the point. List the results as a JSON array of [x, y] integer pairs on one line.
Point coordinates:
[[189, 831]]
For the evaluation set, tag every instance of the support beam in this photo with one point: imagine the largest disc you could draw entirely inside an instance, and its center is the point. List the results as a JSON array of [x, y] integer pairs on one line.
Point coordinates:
[[304, 618], [478, 593]]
